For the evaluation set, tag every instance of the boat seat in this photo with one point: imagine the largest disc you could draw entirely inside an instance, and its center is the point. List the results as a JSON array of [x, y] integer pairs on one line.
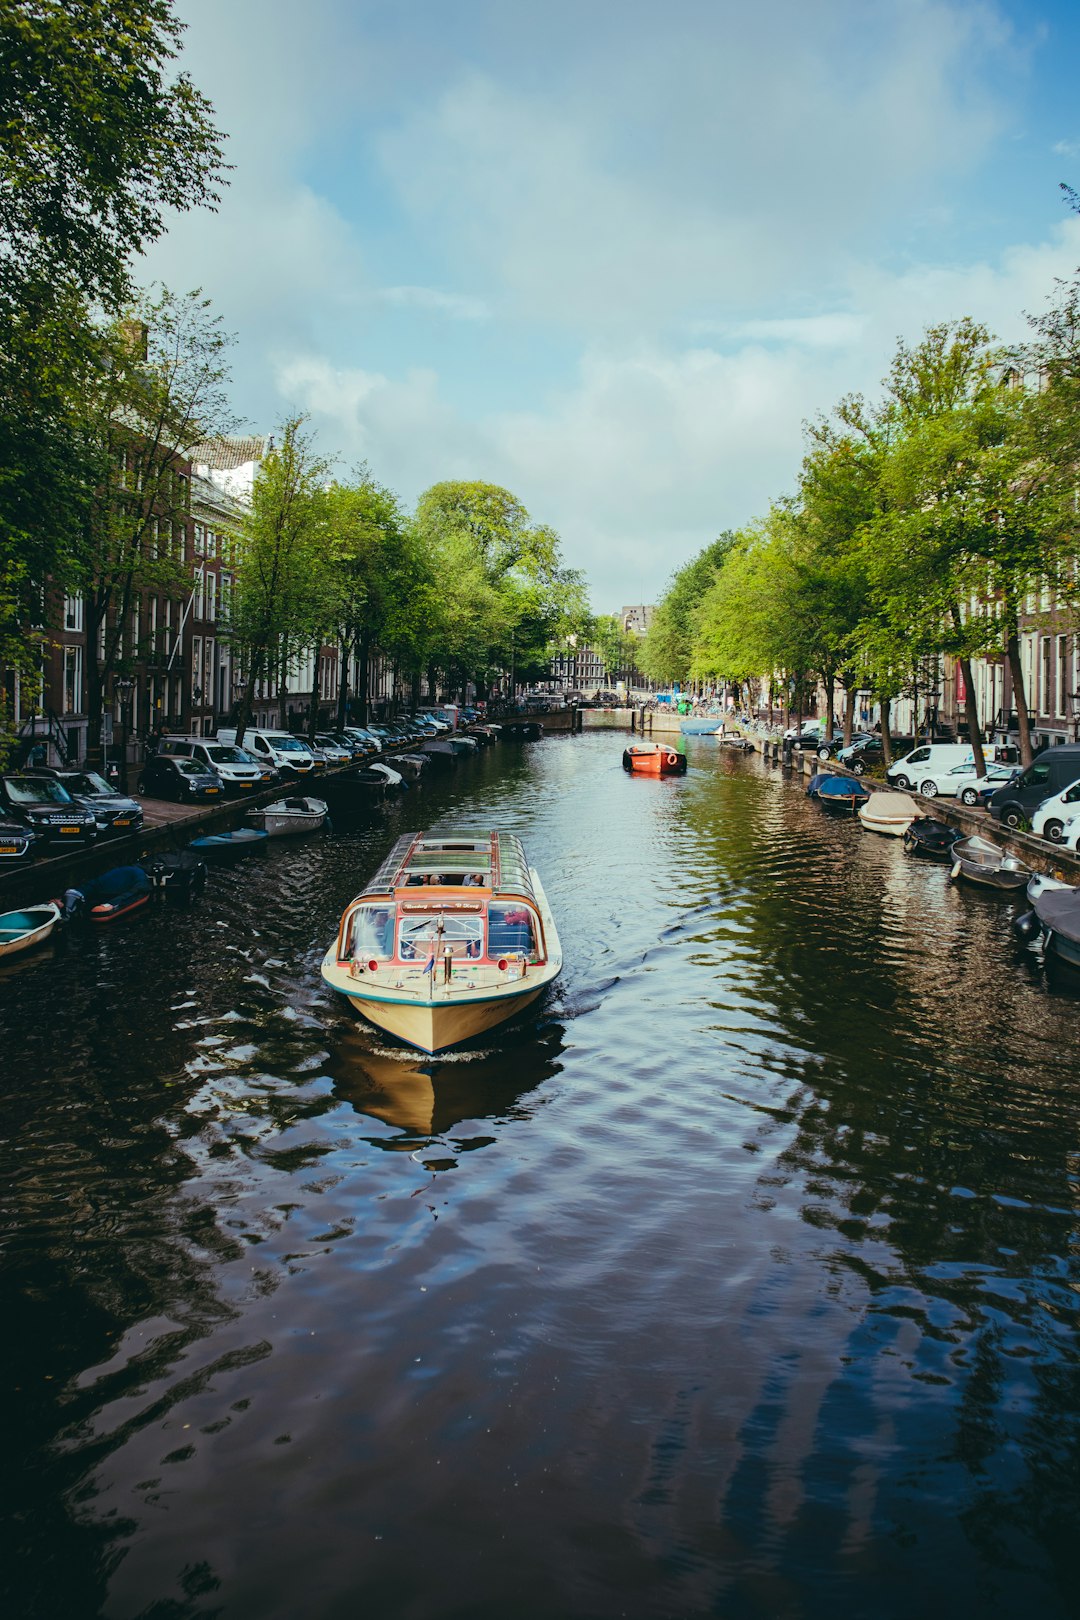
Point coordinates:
[[509, 937]]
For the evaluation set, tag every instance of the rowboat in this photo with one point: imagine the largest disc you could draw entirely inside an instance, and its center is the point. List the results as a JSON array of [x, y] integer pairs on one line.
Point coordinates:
[[287, 818], [988, 865], [21, 930], [931, 838], [654, 759], [889, 813], [452, 936], [227, 846], [837, 792]]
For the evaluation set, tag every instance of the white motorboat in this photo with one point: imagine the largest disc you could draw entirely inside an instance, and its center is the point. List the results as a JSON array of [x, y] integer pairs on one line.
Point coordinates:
[[21, 930], [889, 813], [452, 936], [286, 818]]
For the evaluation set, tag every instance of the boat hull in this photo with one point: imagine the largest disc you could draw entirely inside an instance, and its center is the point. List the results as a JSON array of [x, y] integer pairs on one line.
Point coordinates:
[[22, 930], [433, 1026], [658, 761]]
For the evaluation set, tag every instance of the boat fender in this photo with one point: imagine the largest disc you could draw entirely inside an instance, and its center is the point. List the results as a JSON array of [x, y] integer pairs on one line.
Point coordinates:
[[1027, 927], [955, 873]]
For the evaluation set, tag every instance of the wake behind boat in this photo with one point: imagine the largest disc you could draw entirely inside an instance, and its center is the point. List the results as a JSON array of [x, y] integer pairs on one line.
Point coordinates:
[[452, 936]]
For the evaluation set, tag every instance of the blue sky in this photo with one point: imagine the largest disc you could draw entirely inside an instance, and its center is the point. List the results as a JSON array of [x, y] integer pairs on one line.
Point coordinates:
[[612, 254]]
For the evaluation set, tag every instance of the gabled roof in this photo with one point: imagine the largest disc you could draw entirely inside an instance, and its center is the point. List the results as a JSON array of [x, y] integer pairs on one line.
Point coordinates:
[[230, 451]]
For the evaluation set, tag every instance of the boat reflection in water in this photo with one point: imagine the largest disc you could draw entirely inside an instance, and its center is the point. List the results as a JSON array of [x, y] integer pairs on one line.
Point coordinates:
[[426, 1097]]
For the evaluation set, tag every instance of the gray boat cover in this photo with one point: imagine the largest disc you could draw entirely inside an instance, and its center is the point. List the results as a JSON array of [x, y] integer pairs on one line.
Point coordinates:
[[1059, 910]]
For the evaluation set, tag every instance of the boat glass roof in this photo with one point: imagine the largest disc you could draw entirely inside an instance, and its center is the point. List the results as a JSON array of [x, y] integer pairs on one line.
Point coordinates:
[[499, 857]]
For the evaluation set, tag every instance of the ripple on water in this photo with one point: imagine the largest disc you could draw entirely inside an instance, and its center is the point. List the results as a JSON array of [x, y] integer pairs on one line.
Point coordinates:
[[738, 1279]]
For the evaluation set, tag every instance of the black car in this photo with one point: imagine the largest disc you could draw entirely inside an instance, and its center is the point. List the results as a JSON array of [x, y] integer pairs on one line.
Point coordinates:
[[44, 805], [16, 842], [114, 812], [166, 777], [861, 755], [832, 750]]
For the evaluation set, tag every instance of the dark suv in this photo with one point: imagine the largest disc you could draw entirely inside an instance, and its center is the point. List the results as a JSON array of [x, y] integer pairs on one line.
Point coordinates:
[[165, 777], [44, 805], [114, 813]]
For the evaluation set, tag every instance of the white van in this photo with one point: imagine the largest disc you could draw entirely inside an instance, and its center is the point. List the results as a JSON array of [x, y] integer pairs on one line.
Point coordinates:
[[236, 766], [927, 759], [279, 748]]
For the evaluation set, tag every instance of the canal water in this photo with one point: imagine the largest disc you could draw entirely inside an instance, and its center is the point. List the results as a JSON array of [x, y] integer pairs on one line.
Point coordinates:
[[740, 1280]]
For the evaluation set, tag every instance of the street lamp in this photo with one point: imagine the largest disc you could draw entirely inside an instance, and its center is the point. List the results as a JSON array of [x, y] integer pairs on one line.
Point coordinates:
[[124, 686]]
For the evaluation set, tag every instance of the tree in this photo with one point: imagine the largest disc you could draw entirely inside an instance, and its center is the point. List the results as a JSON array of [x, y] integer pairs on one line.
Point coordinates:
[[668, 649], [281, 548], [98, 143], [159, 387], [506, 596]]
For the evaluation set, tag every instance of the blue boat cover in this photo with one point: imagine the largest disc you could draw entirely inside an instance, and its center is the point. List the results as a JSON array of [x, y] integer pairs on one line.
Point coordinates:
[[840, 787], [111, 885]]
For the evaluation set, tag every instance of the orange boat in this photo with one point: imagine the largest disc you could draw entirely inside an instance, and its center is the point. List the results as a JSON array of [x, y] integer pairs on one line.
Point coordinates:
[[655, 760]]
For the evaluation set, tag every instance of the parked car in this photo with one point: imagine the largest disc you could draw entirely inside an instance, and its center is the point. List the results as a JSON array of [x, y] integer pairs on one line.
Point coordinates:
[[861, 755], [45, 806], [1054, 818], [957, 780], [279, 749], [239, 770], [926, 761], [115, 813], [167, 776], [1049, 772], [830, 750], [369, 743], [16, 841]]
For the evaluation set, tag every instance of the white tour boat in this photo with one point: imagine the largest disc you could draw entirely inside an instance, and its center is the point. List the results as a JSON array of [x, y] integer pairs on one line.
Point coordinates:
[[452, 936]]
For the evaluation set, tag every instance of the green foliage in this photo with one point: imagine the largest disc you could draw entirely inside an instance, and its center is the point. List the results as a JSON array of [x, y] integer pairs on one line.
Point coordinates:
[[504, 598], [667, 653], [97, 143]]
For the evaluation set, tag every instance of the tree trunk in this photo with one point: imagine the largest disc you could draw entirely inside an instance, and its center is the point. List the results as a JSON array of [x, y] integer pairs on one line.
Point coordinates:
[[313, 706], [244, 718], [830, 706], [362, 692], [1023, 719], [886, 734], [345, 647], [971, 711], [849, 714]]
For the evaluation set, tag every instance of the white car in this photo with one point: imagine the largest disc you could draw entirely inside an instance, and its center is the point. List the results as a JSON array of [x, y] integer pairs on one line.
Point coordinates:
[[960, 781], [1058, 818], [333, 752]]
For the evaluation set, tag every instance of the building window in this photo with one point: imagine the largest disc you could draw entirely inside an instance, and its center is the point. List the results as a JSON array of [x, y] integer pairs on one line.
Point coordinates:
[[73, 613], [1045, 674], [211, 596], [196, 670], [73, 669]]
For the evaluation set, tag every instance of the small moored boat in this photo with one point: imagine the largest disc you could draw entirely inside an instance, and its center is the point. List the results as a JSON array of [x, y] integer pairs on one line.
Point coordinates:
[[229, 846], [1058, 910], [931, 838], [988, 865], [655, 759], [117, 893], [287, 818], [836, 792], [178, 875], [702, 726], [888, 813], [22, 930], [452, 936]]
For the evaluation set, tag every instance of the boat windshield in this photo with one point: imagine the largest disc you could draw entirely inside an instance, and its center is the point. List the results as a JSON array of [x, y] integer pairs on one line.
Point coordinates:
[[371, 933], [434, 933], [36, 790], [510, 928]]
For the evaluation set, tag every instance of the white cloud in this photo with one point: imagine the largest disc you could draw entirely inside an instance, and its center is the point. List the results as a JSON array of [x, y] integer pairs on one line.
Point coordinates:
[[457, 305]]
